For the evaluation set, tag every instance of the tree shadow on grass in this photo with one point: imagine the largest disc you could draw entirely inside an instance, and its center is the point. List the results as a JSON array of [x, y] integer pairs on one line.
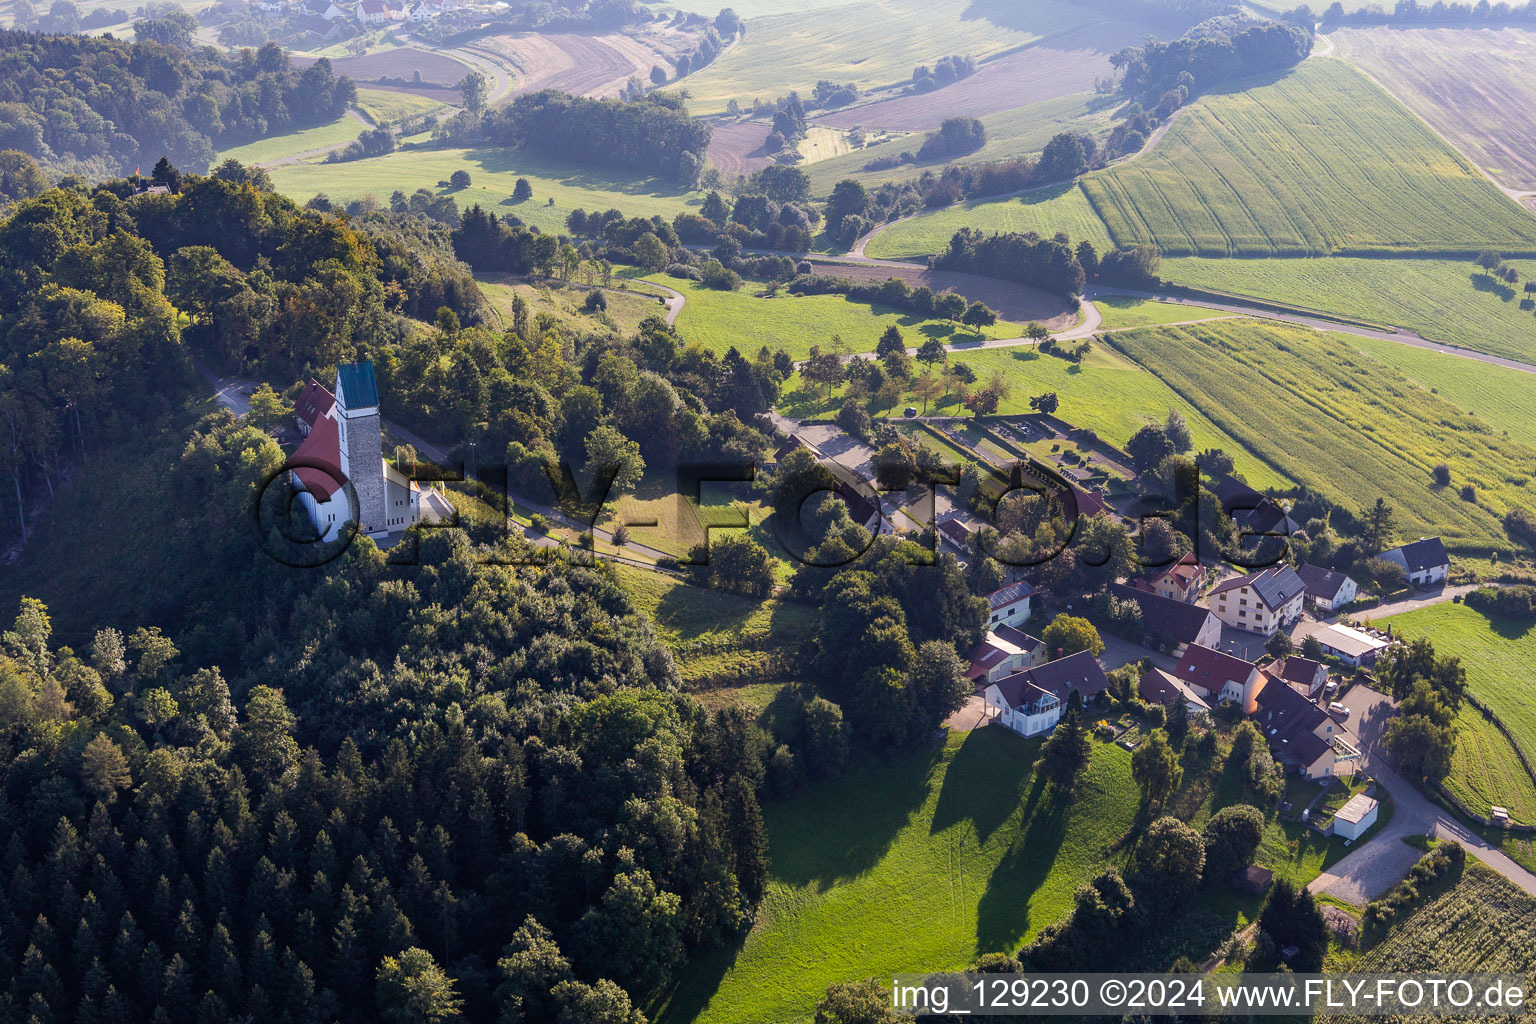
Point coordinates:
[[696, 985], [1003, 913], [844, 828], [1508, 629], [1492, 285], [984, 781], [694, 611]]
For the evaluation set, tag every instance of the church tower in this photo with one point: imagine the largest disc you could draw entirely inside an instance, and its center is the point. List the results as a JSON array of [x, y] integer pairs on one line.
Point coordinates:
[[362, 455]]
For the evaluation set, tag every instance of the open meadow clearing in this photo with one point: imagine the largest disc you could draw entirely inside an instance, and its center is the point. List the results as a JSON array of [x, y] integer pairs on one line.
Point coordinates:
[[1043, 211], [493, 174], [1495, 653], [391, 106], [1118, 311], [290, 144], [920, 863], [1011, 300], [1443, 300], [719, 319], [1497, 394], [1477, 86], [439, 72], [1318, 161], [872, 43], [625, 308], [1338, 422]]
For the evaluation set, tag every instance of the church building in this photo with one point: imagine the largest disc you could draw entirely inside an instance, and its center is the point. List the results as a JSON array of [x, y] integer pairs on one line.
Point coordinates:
[[342, 444]]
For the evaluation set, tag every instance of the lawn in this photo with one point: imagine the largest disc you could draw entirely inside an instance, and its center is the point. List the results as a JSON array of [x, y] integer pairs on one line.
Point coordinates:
[[718, 320], [1496, 654], [1319, 161], [870, 43], [493, 173], [1125, 311], [1338, 422], [625, 308], [1107, 393], [277, 147], [1443, 300], [1044, 211], [920, 863]]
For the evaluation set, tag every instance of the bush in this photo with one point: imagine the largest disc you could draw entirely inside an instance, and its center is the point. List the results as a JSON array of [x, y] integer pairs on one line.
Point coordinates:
[[539, 523], [685, 272], [596, 301], [1517, 602], [459, 179]]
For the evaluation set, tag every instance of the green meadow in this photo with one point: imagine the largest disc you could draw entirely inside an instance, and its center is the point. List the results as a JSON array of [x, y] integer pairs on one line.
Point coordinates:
[[1502, 396], [1120, 311], [1044, 211], [277, 147]]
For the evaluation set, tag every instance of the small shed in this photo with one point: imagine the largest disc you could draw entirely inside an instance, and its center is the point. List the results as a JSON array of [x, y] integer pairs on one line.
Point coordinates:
[[1500, 815], [1253, 879], [1353, 819]]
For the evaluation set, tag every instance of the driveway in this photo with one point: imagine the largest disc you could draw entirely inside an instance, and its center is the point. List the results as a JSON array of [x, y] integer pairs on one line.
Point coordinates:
[[1420, 599]]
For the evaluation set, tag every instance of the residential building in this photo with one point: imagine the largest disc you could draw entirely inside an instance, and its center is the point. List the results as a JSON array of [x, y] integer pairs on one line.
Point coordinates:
[[1301, 735], [1350, 645], [1009, 605], [1179, 582], [957, 533], [1004, 651], [1169, 623], [1356, 817], [1157, 686], [1328, 589], [1268, 518], [1260, 602], [323, 9], [1308, 675], [1217, 676], [1030, 702], [374, 12], [1425, 561]]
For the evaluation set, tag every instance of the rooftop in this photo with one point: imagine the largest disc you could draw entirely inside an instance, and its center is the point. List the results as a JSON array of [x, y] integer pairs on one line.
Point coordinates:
[[1322, 583], [1010, 594], [355, 380], [1355, 810], [1424, 553], [1274, 586], [1163, 615], [1349, 641]]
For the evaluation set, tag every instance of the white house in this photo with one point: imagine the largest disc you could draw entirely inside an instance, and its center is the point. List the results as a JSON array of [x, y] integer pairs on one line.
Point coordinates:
[[1425, 561], [1260, 602], [1217, 676], [1005, 651], [1327, 589], [1030, 702], [1301, 735], [1010, 605], [1356, 817], [1304, 673], [1350, 645], [374, 12]]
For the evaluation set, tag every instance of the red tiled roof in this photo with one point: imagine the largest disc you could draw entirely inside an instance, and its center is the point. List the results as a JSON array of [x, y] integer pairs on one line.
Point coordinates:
[[314, 401], [1211, 669], [317, 462]]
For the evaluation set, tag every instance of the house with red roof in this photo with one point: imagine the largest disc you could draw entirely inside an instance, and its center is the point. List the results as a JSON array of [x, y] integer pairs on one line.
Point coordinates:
[[1030, 702]]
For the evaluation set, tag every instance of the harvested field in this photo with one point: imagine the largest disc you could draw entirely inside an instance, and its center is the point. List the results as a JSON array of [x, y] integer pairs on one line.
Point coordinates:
[[736, 147], [436, 69], [581, 65], [1070, 64], [1477, 86], [1018, 303]]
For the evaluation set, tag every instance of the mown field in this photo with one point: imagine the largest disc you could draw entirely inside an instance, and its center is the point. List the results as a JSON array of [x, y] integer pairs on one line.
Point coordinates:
[[1120, 311], [1444, 300], [1337, 421], [493, 173], [625, 308], [388, 107], [1497, 394], [1496, 654], [1483, 923], [1319, 161], [1044, 211], [1477, 86], [1107, 393], [718, 319], [920, 863], [870, 43], [278, 147]]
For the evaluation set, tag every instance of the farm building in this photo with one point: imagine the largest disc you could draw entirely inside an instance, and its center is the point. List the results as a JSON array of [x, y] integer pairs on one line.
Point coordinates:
[[1425, 560], [1260, 602], [1170, 623], [1159, 687], [1009, 606], [1353, 819], [1350, 645], [1307, 675], [1005, 651], [1327, 589], [1030, 702], [1179, 582], [1217, 676], [1253, 879]]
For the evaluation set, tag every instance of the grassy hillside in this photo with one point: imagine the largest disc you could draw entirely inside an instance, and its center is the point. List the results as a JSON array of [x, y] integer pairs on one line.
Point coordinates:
[[277, 147], [1497, 394], [1319, 161], [1337, 421], [920, 863], [1496, 654], [625, 308], [493, 173], [1124, 311], [1443, 300], [388, 107], [717, 320], [1045, 211], [870, 43]]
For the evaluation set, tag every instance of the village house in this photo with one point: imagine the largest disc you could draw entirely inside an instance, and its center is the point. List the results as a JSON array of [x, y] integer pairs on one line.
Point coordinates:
[[374, 12], [323, 9], [957, 534], [1327, 589], [1260, 602], [1170, 623], [1308, 675], [1031, 702], [1301, 735], [1217, 676], [1009, 605], [1004, 651], [1351, 646], [1424, 561], [1179, 582], [1158, 686]]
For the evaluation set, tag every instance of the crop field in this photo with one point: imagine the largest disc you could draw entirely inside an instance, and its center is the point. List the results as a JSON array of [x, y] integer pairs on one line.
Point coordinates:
[[1012, 301], [1107, 393], [1019, 131], [1338, 422], [290, 144], [1482, 923], [493, 173], [1443, 300], [1501, 396], [1495, 653], [1477, 86], [871, 43], [582, 65], [736, 147], [1319, 161], [1044, 211], [917, 863], [718, 320], [403, 62]]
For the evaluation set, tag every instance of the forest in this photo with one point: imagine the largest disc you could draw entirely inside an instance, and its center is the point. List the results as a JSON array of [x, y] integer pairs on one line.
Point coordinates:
[[102, 107]]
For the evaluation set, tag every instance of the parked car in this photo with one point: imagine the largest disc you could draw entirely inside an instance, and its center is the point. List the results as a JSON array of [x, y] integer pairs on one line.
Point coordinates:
[[909, 411], [1339, 709]]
